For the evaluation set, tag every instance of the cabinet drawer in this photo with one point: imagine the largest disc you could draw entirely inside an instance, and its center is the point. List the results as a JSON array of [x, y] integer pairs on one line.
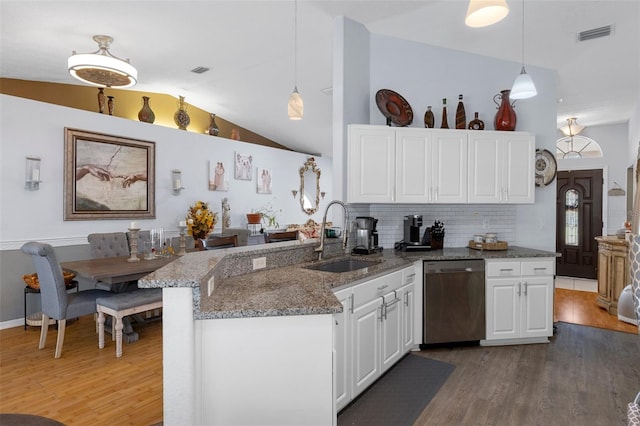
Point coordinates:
[[538, 267], [503, 269], [377, 287]]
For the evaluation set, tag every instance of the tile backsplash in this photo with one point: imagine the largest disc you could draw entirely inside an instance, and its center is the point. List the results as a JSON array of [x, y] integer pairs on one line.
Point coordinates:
[[461, 221]]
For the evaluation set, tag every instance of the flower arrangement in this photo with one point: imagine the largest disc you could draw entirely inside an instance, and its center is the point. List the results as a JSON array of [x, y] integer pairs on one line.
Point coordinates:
[[200, 220]]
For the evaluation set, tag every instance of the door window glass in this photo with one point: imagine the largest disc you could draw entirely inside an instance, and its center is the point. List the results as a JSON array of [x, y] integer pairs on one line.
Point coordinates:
[[572, 199]]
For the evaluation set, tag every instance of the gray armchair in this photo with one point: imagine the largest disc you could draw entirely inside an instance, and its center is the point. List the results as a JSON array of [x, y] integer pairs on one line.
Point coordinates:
[[56, 303]]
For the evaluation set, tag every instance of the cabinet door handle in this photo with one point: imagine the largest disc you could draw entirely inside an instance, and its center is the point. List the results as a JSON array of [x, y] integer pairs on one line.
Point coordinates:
[[506, 194], [519, 289], [337, 322], [525, 288], [406, 299], [539, 269], [436, 196], [351, 303], [506, 270], [382, 287]]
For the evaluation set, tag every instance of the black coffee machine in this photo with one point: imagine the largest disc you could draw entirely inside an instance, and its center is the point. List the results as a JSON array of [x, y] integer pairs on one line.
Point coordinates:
[[413, 238], [366, 236]]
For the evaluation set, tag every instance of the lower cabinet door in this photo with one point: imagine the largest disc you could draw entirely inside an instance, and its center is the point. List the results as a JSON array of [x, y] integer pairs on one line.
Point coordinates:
[[365, 327], [391, 324], [537, 306], [503, 308], [341, 348], [408, 321]]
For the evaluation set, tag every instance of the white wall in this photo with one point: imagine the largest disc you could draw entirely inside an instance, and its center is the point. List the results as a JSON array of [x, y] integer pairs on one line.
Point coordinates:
[[614, 162], [424, 75], [36, 128]]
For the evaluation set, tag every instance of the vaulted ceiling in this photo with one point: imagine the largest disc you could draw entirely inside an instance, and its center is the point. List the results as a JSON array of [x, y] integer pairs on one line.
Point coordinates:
[[249, 48]]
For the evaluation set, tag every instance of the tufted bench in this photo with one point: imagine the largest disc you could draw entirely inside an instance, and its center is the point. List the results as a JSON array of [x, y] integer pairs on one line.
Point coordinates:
[[124, 304]]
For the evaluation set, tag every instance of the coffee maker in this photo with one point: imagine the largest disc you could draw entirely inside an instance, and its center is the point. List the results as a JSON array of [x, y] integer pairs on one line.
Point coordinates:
[[413, 238], [366, 236]]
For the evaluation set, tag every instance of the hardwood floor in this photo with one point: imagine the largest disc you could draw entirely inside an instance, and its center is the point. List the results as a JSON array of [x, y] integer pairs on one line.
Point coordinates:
[[583, 377]]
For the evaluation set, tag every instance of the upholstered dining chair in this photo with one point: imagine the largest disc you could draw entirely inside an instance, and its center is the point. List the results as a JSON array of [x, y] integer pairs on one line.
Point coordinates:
[[56, 303], [276, 237], [111, 244]]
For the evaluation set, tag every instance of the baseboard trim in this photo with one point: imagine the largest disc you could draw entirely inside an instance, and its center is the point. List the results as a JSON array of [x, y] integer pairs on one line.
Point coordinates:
[[18, 322]]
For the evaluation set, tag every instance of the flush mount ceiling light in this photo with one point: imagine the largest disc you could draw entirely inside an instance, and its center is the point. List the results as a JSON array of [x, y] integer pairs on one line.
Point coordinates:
[[101, 68], [295, 106], [572, 128], [482, 13], [523, 87]]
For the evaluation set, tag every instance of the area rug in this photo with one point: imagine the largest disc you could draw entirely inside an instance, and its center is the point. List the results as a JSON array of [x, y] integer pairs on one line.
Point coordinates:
[[400, 395]]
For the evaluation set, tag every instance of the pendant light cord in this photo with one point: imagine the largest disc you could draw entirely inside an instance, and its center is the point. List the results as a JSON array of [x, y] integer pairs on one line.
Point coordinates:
[[522, 34], [295, 43]]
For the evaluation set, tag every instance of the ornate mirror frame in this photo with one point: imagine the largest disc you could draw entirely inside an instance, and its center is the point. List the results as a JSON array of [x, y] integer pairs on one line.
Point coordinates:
[[310, 166]]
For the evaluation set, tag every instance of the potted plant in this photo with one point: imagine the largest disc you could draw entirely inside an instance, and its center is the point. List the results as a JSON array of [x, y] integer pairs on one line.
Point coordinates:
[[265, 215], [200, 222]]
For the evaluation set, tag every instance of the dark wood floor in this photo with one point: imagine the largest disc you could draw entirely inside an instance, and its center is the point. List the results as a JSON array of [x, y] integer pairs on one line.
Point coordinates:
[[585, 376]]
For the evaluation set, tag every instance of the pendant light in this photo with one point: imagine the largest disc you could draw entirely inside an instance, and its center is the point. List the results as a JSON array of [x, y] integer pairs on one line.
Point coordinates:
[[295, 107], [101, 68], [523, 87], [482, 13]]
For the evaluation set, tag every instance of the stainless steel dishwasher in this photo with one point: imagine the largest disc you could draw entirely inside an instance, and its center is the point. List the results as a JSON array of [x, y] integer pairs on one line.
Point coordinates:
[[454, 301]]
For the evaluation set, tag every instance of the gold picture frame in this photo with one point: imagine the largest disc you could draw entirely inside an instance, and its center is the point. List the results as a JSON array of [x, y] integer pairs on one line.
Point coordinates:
[[108, 177]]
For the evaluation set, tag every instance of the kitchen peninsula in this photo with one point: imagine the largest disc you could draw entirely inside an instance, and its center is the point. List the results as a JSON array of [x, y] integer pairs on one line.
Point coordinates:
[[245, 347]]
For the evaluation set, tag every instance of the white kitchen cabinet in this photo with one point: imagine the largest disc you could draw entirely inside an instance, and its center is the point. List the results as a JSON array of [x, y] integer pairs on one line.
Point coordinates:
[[371, 164], [371, 333], [519, 302], [413, 165], [431, 166], [501, 167]]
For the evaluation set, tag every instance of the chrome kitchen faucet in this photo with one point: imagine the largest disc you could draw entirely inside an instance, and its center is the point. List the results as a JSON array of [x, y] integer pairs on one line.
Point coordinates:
[[345, 230]]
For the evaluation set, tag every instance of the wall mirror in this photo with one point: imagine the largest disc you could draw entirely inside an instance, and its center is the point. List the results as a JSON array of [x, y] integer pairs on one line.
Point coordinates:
[[310, 186]]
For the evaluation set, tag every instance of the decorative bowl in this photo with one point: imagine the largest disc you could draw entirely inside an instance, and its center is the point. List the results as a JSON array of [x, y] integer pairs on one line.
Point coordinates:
[[32, 279]]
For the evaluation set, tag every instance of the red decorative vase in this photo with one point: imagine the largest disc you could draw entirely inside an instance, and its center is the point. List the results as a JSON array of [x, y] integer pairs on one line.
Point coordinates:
[[506, 116]]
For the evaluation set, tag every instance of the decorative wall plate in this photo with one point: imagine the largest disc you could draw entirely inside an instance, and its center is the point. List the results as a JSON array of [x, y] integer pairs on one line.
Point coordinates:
[[546, 167], [394, 107]]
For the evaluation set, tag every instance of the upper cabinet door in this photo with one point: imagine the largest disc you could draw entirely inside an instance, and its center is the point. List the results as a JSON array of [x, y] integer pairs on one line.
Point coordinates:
[[485, 172], [449, 167], [371, 164], [519, 174], [413, 166]]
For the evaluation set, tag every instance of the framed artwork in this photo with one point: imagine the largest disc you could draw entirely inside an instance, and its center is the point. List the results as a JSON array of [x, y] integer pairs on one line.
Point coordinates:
[[108, 177], [243, 166], [217, 180], [263, 181]]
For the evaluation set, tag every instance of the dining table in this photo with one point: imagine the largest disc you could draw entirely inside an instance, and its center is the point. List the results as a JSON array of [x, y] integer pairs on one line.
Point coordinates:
[[115, 270]]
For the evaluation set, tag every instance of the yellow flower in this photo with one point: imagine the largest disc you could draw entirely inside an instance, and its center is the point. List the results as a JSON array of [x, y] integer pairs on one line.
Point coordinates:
[[200, 220]]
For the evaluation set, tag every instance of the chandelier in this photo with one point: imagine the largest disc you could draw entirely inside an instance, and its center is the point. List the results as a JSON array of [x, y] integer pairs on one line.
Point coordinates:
[[570, 130], [101, 68]]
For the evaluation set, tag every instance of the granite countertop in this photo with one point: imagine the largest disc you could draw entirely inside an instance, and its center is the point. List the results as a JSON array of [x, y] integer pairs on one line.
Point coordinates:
[[288, 290]]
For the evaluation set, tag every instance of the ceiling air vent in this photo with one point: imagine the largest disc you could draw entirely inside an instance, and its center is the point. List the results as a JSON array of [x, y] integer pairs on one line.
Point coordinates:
[[200, 70], [595, 33]]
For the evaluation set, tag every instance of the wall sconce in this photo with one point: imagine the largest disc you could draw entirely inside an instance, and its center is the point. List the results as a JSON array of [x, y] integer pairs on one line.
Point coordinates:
[[323, 194], [32, 177], [616, 191], [294, 192], [176, 181]]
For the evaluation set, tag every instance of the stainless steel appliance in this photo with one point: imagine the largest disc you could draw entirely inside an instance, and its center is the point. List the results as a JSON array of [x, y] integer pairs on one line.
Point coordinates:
[[366, 235], [413, 238], [453, 301]]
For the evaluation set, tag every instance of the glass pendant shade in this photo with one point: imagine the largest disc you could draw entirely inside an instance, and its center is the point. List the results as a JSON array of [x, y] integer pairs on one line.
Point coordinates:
[[101, 68], [295, 106], [523, 87], [572, 128], [482, 13]]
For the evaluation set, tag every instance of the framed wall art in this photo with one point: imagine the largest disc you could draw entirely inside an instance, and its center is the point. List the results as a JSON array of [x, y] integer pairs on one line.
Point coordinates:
[[243, 166], [263, 181], [217, 180], [108, 177]]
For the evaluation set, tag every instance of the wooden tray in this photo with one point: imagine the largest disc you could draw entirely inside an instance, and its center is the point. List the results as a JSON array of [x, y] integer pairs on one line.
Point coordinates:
[[498, 245]]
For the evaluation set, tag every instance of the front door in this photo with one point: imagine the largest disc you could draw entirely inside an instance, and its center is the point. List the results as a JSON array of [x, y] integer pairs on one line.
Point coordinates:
[[578, 222]]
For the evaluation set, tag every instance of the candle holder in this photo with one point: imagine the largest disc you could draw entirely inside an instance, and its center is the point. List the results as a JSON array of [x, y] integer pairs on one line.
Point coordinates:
[[183, 244], [134, 245]]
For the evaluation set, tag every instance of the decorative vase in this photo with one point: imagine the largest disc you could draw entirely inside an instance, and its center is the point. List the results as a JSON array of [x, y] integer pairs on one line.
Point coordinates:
[[476, 123], [506, 116], [461, 116], [445, 123], [429, 118], [198, 240], [213, 129], [110, 105], [146, 114], [101, 100], [181, 117]]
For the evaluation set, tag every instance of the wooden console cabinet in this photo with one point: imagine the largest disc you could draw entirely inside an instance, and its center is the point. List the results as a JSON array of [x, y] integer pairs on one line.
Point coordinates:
[[613, 271]]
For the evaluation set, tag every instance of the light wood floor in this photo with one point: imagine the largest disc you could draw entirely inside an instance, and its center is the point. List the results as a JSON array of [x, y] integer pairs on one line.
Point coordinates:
[[500, 386]]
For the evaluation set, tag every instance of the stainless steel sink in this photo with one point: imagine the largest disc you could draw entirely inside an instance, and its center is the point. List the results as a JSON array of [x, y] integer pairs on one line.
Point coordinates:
[[344, 265]]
